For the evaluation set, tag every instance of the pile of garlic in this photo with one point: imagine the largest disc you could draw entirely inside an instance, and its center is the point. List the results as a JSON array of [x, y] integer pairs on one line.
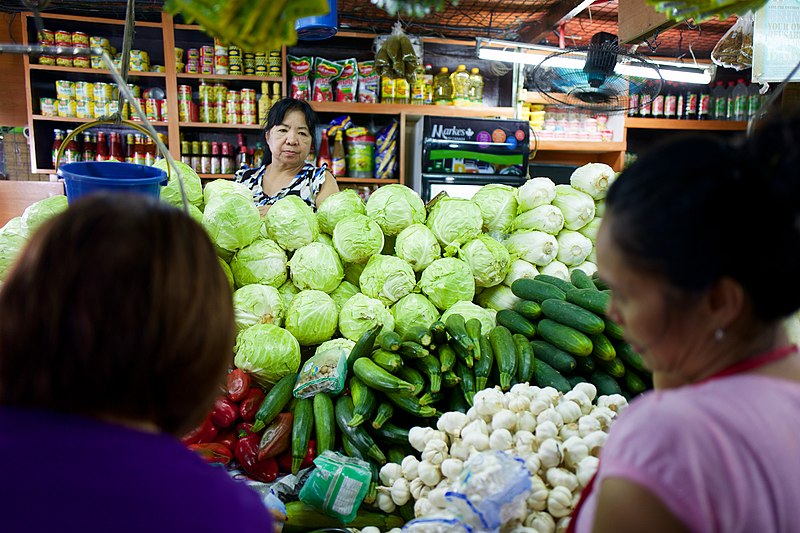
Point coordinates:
[[559, 436]]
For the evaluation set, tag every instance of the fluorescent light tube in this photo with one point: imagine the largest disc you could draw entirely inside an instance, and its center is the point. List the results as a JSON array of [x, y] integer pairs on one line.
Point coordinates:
[[509, 56]]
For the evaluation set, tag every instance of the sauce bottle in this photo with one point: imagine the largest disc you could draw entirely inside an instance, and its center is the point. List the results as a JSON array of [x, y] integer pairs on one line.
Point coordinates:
[[195, 164], [205, 157], [339, 167], [186, 153], [324, 157], [89, 147], [129, 149], [226, 161], [72, 154], [102, 147], [258, 155], [138, 149], [59, 140], [115, 152], [149, 151]]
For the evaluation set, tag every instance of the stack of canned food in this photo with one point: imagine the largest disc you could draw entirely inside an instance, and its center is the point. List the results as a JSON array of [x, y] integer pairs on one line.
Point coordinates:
[[221, 60], [220, 105], [82, 99], [139, 59]]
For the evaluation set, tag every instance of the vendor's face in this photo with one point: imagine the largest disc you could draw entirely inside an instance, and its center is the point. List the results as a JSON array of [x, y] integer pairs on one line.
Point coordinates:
[[290, 141]]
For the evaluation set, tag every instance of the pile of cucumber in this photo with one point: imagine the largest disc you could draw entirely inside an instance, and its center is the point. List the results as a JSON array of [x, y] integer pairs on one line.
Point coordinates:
[[571, 337]]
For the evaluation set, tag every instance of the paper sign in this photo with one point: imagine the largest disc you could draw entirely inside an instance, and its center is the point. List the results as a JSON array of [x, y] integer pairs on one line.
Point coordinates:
[[776, 41]]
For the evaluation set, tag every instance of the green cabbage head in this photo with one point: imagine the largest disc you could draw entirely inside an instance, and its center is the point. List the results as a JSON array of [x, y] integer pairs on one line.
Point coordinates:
[[336, 344], [498, 205], [37, 213], [312, 317], [447, 281], [13, 237], [227, 270], [357, 238], [316, 266], [411, 311], [291, 223], [262, 262], [387, 278], [344, 292], [417, 245], [488, 259], [395, 207], [470, 310], [257, 304], [338, 206], [267, 352], [288, 291], [454, 221], [232, 221], [352, 272], [222, 186], [192, 186], [361, 313]]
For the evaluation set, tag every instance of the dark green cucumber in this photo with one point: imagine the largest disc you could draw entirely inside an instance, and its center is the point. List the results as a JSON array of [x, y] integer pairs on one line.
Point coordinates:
[[447, 357], [461, 354], [634, 383], [525, 356], [302, 426], [467, 381], [391, 434], [410, 404], [364, 401], [516, 323], [274, 402], [430, 397], [574, 380], [483, 368], [630, 357], [547, 376], [613, 330], [431, 367], [438, 332], [363, 347], [357, 435], [324, 422], [302, 517], [380, 379], [450, 379], [590, 299], [584, 365], [395, 454], [558, 359], [389, 361], [564, 337], [413, 376], [562, 284], [598, 282], [612, 367], [605, 384], [528, 308], [602, 347], [384, 412], [389, 341], [573, 316], [457, 328], [505, 354], [538, 291], [473, 327], [581, 280], [419, 334], [412, 350]]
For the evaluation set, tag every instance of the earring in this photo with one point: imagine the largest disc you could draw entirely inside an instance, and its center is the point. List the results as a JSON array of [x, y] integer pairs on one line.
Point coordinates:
[[719, 334]]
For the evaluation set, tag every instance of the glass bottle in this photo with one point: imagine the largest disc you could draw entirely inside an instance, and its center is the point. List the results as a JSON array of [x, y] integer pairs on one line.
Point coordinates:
[[226, 161], [89, 147], [205, 157], [241, 158], [339, 166], [216, 163], [59, 140], [129, 148], [71, 152], [258, 155], [149, 151], [428, 84], [324, 157], [115, 152], [692, 99], [704, 103], [195, 164], [633, 105], [102, 147], [186, 153], [670, 102], [138, 149]]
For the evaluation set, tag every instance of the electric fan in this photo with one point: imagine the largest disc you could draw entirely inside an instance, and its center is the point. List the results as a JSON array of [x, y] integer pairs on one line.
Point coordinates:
[[598, 77]]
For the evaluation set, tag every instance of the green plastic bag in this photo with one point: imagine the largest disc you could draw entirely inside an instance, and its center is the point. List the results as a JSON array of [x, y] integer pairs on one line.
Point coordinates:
[[337, 486]]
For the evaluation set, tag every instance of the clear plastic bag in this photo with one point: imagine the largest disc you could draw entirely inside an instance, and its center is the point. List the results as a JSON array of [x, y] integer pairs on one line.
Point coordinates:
[[437, 525], [397, 55], [337, 486], [735, 49], [324, 372]]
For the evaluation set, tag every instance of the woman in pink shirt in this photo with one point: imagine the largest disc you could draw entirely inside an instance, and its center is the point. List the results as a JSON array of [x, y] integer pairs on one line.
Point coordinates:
[[702, 252]]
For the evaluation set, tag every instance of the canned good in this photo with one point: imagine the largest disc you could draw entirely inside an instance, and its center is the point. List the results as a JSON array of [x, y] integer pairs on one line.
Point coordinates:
[[65, 89], [206, 51], [274, 70], [233, 107], [249, 118], [84, 109], [158, 68], [66, 107], [63, 38], [184, 92], [140, 54], [78, 37], [192, 53], [81, 62], [249, 108], [221, 71], [96, 62], [102, 91], [137, 65], [163, 113], [248, 95], [96, 42], [47, 37], [179, 54], [47, 107], [206, 112], [220, 92], [64, 61], [84, 90], [233, 96], [221, 61], [235, 69], [234, 51], [151, 109], [232, 118], [47, 60], [261, 59], [184, 110], [275, 53], [219, 114], [192, 67], [135, 89]]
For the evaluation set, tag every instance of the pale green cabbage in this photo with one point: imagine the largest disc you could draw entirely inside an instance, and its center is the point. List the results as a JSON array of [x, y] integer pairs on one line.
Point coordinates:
[[454, 221], [520, 269], [417, 245], [334, 344], [534, 247], [547, 218], [291, 223], [261, 262], [447, 281], [470, 310], [535, 192], [357, 238], [556, 268], [324, 238], [488, 260], [338, 206], [577, 206], [192, 186], [227, 270], [587, 267], [267, 352], [257, 304], [311, 317], [288, 291], [600, 208], [232, 221], [360, 313], [573, 248], [413, 310], [195, 214], [316, 266], [498, 298], [387, 278], [395, 207], [223, 186], [13, 237], [498, 205], [344, 292], [594, 179], [352, 272], [590, 230], [39, 212]]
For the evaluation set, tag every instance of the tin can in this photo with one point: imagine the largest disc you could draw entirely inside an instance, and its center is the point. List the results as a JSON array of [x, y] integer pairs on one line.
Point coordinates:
[[82, 62], [234, 51], [63, 38], [66, 107], [249, 108], [207, 51], [192, 53], [47, 60], [151, 109], [249, 118], [221, 61], [220, 92], [184, 92], [184, 110], [206, 112], [233, 107], [96, 62], [141, 54], [65, 89], [84, 90], [64, 61], [47, 107], [219, 114], [275, 53], [78, 37], [274, 70], [233, 96], [47, 37], [102, 91], [192, 67], [179, 54], [232, 118], [248, 95], [84, 109], [261, 61], [97, 42], [135, 89], [137, 65], [235, 69], [221, 71]]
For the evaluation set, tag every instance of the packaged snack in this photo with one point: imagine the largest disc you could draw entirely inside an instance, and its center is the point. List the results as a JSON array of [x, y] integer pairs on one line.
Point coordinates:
[[347, 83], [339, 124], [324, 372], [325, 72], [300, 68], [368, 83], [386, 162]]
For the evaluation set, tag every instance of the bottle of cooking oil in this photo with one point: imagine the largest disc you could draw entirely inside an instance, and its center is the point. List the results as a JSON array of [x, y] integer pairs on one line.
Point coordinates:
[[428, 84], [418, 88], [443, 88], [460, 86], [475, 87]]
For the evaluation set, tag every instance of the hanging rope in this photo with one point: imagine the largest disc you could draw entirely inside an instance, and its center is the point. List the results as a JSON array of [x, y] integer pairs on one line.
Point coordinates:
[[127, 41]]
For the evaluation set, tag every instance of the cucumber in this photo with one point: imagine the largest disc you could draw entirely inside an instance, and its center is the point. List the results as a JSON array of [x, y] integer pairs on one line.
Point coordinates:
[[581, 280], [562, 284], [564, 337], [411, 375], [612, 367], [547, 376], [598, 282], [483, 368], [438, 332], [450, 379], [364, 401], [573, 316], [602, 347], [411, 405], [590, 299], [380, 379], [324, 422], [384, 412], [558, 359], [538, 291], [605, 384], [447, 357], [613, 329], [274, 402], [302, 517], [634, 383], [419, 334], [389, 361], [457, 328], [473, 328], [363, 347], [574, 380], [430, 398], [391, 434], [505, 354], [516, 323], [302, 426], [431, 367], [467, 381], [395, 454], [462, 354], [412, 350], [528, 308], [389, 341], [584, 365], [357, 435], [630, 357], [524, 358]]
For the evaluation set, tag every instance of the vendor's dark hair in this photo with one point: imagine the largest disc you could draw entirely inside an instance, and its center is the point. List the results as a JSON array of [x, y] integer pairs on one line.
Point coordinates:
[[117, 308], [702, 207], [276, 115]]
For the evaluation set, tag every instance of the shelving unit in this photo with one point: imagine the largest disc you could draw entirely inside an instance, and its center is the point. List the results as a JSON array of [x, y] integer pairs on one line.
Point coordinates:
[[228, 77], [95, 71], [76, 120], [673, 124]]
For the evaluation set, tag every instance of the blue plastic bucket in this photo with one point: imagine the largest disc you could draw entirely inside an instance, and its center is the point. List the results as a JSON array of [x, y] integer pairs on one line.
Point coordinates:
[[318, 28], [85, 178]]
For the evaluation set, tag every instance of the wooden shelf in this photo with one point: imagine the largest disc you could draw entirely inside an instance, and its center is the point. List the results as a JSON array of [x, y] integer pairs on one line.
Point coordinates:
[[229, 77], [77, 120], [410, 109], [367, 180], [215, 176], [673, 124], [97, 71], [216, 125], [95, 20], [581, 146]]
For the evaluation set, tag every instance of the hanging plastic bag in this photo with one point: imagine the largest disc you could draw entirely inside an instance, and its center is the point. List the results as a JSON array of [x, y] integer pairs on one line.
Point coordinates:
[[735, 49], [397, 56]]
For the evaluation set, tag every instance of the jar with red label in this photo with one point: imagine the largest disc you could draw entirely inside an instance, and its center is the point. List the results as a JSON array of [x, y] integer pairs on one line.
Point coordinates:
[[63, 38], [47, 37]]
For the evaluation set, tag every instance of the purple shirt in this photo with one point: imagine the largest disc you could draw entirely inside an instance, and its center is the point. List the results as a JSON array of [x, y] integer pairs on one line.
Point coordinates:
[[69, 473], [721, 455]]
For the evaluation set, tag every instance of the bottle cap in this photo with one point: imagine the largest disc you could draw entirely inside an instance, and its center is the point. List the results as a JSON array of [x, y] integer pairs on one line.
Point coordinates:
[[475, 70], [462, 67], [445, 70]]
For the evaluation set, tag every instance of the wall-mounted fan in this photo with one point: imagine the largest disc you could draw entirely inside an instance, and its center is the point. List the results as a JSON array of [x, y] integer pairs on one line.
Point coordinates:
[[598, 77]]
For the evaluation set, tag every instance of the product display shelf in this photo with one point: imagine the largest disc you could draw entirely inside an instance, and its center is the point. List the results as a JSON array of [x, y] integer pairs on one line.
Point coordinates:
[[96, 20], [228, 77], [673, 124], [412, 110], [581, 146], [84, 120], [215, 176], [216, 125], [95, 71]]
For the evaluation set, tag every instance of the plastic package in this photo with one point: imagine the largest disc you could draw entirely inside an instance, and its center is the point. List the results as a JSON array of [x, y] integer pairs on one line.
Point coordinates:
[[337, 486], [368, 83], [396, 55], [735, 49], [347, 83], [437, 525], [325, 72], [324, 372], [300, 68], [386, 164]]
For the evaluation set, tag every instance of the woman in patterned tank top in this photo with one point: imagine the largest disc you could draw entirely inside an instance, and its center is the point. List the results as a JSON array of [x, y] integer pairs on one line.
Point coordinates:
[[289, 133]]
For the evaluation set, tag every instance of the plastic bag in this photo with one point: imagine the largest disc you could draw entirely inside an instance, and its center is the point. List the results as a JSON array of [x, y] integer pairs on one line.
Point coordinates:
[[337, 486], [386, 151], [347, 83], [325, 72], [300, 67], [324, 372], [396, 55], [437, 525], [368, 83], [735, 49]]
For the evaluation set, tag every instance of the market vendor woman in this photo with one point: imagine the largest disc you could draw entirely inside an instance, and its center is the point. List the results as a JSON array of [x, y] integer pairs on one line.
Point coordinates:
[[289, 133]]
